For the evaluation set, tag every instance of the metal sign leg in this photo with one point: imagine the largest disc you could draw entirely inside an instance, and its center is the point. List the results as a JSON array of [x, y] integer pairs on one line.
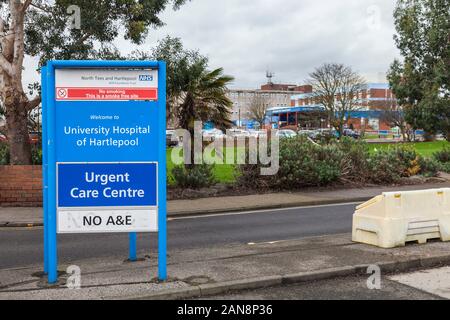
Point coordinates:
[[133, 247], [52, 248]]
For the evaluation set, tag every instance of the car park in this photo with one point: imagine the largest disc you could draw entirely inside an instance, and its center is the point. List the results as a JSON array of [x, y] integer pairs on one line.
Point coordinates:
[[286, 133]]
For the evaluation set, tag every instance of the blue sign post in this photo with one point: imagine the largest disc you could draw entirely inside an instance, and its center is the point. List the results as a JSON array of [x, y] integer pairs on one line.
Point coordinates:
[[104, 154]]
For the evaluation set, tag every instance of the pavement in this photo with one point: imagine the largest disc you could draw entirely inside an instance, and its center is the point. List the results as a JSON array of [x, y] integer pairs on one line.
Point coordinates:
[[218, 270], [425, 284], [351, 288], [29, 217]]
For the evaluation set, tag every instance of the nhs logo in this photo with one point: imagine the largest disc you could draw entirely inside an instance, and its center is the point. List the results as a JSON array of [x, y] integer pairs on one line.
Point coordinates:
[[146, 77]]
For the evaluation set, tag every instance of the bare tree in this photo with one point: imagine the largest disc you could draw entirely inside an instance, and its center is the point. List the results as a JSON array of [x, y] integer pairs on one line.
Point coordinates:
[[394, 116], [258, 109], [336, 88]]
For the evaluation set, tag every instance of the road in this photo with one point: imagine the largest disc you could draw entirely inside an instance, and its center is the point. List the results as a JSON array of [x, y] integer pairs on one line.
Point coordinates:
[[23, 247]]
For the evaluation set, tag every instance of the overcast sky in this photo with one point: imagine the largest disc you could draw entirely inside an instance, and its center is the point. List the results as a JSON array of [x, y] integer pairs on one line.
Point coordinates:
[[288, 37]]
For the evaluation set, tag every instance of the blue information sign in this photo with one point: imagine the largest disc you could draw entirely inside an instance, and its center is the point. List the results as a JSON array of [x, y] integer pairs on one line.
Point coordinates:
[[107, 185], [104, 152]]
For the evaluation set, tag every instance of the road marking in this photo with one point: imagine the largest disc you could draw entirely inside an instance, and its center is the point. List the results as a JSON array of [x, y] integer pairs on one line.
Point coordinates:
[[269, 242], [264, 211]]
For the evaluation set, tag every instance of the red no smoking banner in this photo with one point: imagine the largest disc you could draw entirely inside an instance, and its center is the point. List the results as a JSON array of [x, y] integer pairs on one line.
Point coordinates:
[[106, 94]]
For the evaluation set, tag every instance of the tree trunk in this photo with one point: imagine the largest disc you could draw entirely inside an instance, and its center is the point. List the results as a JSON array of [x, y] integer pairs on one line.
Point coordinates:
[[341, 128], [15, 102], [403, 133], [18, 138], [16, 114]]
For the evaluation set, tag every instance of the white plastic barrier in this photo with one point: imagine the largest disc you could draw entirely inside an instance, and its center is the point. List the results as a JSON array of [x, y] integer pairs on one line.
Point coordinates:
[[395, 218]]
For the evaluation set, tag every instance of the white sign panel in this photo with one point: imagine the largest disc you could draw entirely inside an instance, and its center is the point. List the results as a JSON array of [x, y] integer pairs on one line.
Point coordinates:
[[97, 221], [106, 85]]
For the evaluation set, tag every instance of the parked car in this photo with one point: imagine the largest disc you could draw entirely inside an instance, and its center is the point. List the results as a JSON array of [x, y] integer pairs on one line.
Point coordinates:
[[286, 133], [238, 133], [171, 139], [258, 133], [351, 133], [213, 134], [313, 134]]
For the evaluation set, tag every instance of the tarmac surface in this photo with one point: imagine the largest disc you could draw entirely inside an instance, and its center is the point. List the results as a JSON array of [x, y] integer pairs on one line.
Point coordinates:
[[19, 247]]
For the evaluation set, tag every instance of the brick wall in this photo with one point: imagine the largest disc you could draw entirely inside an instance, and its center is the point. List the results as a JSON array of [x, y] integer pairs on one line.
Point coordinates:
[[20, 186]]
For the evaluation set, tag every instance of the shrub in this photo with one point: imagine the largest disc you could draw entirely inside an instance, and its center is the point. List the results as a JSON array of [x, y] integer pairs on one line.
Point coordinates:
[[194, 177], [429, 167], [36, 155], [384, 167], [302, 163], [388, 166], [4, 153], [442, 156], [326, 138], [354, 163], [408, 161], [444, 167], [439, 162]]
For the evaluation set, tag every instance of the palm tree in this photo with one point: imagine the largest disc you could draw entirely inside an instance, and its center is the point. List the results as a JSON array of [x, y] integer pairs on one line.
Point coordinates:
[[204, 98]]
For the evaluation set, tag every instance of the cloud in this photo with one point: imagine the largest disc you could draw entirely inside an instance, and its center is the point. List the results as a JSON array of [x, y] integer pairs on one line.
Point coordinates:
[[289, 37]]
